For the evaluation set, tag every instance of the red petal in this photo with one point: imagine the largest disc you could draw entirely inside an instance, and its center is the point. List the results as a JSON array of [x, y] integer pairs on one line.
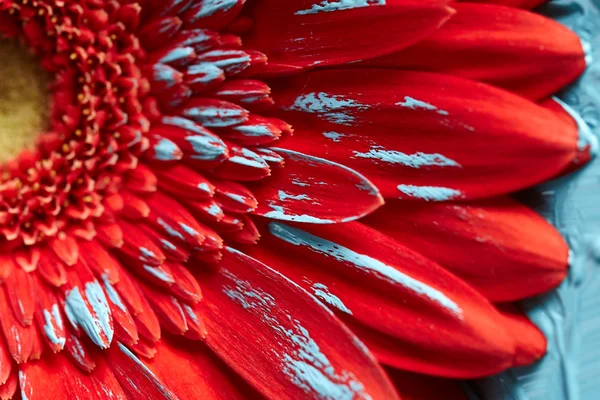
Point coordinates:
[[138, 248], [135, 378], [79, 353], [144, 348], [66, 249], [19, 288], [242, 165], [172, 251], [172, 219], [379, 286], [195, 322], [5, 363], [531, 342], [246, 91], [27, 258], [234, 197], [141, 180], [110, 234], [162, 151], [167, 309], [499, 246], [9, 388], [86, 305], [183, 183], [19, 339], [425, 136], [51, 269], [56, 378], [248, 235], [49, 317], [315, 190], [167, 26], [185, 285], [298, 349], [125, 328], [213, 113], [517, 50], [129, 293], [212, 14], [134, 207], [100, 261], [7, 265], [202, 149], [147, 322], [305, 33], [191, 371]]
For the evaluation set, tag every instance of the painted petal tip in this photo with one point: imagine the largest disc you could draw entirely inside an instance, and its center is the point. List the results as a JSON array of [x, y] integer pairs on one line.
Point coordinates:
[[531, 344], [588, 142]]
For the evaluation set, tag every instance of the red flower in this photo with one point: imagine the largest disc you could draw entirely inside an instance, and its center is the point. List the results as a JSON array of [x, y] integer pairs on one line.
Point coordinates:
[[130, 265]]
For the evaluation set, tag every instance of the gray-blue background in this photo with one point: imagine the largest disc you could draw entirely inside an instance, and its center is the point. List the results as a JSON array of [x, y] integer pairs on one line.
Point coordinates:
[[570, 316]]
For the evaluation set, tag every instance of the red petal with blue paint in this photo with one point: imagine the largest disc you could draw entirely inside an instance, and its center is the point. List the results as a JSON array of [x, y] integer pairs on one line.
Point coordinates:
[[382, 289], [55, 377], [280, 340], [424, 136], [298, 34], [523, 52], [314, 190], [501, 247]]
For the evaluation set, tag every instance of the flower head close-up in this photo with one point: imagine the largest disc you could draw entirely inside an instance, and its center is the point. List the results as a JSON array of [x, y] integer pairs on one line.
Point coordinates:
[[282, 199]]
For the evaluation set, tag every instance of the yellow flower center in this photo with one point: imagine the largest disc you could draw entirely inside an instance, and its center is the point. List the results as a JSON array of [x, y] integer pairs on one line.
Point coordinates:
[[24, 99]]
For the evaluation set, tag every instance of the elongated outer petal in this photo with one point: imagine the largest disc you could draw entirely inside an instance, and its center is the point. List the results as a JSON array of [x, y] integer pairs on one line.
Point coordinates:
[[280, 339], [191, 371], [19, 339], [304, 33], [55, 377], [531, 342], [499, 246], [136, 379], [424, 136], [49, 317], [314, 190], [514, 49], [5, 363], [377, 285], [529, 4], [86, 306], [19, 290]]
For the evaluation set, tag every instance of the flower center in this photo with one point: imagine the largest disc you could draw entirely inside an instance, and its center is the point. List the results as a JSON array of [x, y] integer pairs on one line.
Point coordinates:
[[24, 99]]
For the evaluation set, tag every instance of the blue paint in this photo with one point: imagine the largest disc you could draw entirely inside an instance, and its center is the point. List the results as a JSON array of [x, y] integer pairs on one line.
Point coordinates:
[[569, 316]]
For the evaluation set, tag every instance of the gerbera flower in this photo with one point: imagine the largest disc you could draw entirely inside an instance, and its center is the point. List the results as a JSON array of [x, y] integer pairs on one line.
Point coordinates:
[[131, 262]]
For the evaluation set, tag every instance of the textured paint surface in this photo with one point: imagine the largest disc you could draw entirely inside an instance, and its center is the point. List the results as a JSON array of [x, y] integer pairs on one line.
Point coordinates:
[[570, 315]]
